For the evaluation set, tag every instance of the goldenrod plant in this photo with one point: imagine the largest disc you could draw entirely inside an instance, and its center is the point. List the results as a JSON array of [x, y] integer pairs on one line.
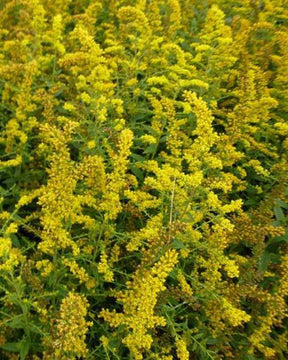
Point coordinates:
[[143, 168]]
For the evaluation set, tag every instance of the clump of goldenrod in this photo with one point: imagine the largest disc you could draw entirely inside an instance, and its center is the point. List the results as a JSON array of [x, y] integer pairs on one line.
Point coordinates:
[[143, 167]]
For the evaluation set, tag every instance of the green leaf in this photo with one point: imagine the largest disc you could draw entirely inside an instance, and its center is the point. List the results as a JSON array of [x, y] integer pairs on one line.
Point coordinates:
[[279, 214], [138, 157], [16, 323], [15, 240], [33, 328], [150, 130], [194, 346], [177, 244], [137, 172], [24, 348], [150, 149], [282, 204], [163, 139], [12, 346], [282, 238], [249, 357], [264, 261], [212, 341]]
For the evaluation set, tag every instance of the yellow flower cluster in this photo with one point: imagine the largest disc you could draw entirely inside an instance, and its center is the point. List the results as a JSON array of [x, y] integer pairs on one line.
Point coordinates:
[[139, 301], [181, 349], [76, 270], [10, 256], [71, 328], [185, 287], [104, 268], [116, 180]]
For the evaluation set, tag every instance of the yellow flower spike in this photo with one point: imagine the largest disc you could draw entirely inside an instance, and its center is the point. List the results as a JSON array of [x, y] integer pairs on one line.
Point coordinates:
[[69, 107], [104, 268], [181, 349], [174, 16], [45, 266], [10, 256], [79, 272], [147, 234], [72, 327], [57, 36], [104, 340], [139, 301], [148, 139], [111, 200], [91, 144], [13, 162], [85, 98], [185, 287], [90, 284]]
